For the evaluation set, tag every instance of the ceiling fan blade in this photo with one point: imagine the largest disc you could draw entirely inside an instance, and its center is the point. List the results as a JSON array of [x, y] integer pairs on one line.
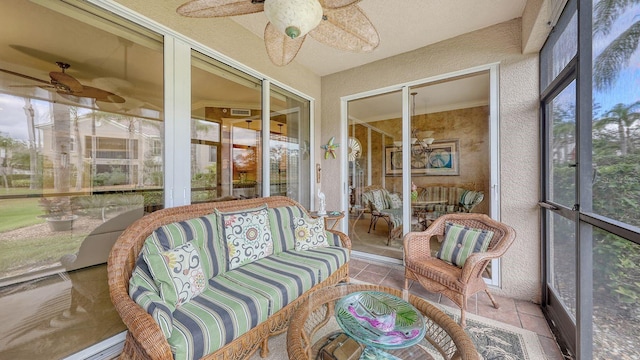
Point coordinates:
[[336, 4], [65, 80], [347, 29], [99, 95], [218, 8], [281, 48], [25, 76]]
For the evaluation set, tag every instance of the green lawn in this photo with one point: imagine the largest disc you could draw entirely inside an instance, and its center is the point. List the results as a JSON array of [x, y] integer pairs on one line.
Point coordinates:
[[32, 253], [18, 213]]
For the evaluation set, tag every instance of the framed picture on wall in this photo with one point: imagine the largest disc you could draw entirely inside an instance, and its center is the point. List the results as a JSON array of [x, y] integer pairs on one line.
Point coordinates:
[[443, 158]]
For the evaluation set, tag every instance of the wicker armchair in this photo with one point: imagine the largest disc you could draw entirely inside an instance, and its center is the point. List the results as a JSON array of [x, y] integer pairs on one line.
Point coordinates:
[[438, 276], [381, 206]]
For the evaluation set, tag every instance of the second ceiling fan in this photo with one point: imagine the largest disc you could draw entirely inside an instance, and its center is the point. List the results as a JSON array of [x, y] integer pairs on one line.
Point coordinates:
[[66, 85]]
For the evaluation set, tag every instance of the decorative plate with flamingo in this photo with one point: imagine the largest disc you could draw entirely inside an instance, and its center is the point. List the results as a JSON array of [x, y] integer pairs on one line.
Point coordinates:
[[380, 320]]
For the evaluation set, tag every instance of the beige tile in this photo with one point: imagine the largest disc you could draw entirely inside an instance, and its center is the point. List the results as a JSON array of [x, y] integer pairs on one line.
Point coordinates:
[[393, 282], [551, 349], [370, 277], [381, 270], [536, 324], [529, 308], [357, 264], [503, 315]]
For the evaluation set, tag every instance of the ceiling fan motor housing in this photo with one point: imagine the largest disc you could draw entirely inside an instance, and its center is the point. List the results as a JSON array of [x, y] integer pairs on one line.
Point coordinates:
[[294, 18]]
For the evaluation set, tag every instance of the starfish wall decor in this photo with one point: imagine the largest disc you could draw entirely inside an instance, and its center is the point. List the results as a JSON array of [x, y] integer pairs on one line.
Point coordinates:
[[330, 148]]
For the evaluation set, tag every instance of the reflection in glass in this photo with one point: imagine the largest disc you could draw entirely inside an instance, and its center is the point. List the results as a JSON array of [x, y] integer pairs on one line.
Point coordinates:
[[78, 164], [289, 160], [616, 103], [225, 131], [563, 146], [562, 257], [375, 224], [616, 286]]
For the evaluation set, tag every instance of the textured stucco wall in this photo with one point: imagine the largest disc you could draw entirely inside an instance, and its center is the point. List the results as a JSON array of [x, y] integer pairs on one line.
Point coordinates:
[[518, 94]]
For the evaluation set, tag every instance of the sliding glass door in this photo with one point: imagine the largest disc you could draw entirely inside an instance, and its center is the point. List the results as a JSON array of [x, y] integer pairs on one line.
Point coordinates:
[[442, 128]]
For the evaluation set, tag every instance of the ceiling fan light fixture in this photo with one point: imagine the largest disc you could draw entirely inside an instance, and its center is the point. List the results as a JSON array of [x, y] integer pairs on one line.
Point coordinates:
[[294, 18]]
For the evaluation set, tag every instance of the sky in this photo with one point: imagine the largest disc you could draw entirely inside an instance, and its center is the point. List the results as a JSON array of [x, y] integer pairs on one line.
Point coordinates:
[[626, 89]]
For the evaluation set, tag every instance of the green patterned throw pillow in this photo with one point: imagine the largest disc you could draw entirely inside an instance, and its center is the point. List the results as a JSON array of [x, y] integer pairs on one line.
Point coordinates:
[[247, 234], [309, 233], [461, 241], [177, 273]]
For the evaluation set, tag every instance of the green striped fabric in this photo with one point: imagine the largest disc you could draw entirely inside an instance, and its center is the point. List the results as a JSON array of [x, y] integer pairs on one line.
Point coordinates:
[[461, 241], [326, 260], [144, 292], [281, 221], [211, 320], [178, 273], [277, 279], [469, 199], [333, 239], [203, 231]]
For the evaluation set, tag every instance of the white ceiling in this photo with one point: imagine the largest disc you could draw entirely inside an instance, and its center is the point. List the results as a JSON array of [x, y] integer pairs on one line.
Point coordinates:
[[403, 25]]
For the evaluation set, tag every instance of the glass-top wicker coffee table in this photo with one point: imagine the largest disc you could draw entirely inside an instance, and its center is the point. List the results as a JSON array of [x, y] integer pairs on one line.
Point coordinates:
[[314, 326]]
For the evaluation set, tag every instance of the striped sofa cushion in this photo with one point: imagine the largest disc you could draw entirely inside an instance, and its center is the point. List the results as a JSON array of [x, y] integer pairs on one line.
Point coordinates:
[[326, 260], [203, 231], [216, 317], [144, 291], [281, 219], [333, 239], [279, 280]]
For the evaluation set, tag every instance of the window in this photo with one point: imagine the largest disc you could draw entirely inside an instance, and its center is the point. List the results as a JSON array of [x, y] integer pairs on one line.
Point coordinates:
[[591, 197], [77, 171]]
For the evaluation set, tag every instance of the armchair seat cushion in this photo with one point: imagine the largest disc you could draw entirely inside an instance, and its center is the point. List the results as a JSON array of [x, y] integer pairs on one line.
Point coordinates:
[[438, 271]]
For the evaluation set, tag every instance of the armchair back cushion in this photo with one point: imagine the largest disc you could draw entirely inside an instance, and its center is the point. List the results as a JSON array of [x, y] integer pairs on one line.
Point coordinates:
[[462, 241]]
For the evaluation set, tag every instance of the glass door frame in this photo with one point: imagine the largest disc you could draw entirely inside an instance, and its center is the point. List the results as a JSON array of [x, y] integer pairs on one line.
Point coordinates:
[[405, 88]]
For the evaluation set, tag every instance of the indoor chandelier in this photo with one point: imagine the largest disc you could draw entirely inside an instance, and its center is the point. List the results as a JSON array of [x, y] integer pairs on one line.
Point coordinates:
[[422, 139]]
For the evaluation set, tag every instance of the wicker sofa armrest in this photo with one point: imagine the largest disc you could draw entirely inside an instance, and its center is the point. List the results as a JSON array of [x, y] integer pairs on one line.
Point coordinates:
[[139, 323], [344, 239]]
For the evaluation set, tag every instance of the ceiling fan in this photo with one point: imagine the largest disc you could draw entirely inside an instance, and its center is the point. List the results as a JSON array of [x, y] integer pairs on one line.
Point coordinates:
[[66, 85], [338, 23]]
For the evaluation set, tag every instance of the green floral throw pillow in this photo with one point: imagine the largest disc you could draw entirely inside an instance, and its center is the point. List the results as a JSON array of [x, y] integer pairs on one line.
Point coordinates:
[[177, 273], [461, 241], [247, 234], [309, 233]]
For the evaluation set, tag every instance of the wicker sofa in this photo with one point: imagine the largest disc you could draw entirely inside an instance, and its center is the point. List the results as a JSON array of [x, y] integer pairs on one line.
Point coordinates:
[[243, 304]]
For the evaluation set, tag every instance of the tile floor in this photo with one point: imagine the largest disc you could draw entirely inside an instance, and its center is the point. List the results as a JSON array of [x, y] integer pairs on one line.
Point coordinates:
[[519, 313]]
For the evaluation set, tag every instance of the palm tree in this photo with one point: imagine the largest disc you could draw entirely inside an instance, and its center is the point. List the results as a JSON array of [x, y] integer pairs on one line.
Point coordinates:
[[624, 116], [6, 144], [609, 62]]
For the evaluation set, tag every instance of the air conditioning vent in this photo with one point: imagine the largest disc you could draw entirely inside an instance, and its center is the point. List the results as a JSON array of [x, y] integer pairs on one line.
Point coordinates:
[[240, 112]]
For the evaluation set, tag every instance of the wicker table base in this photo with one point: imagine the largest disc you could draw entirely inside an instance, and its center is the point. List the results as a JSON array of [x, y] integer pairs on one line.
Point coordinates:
[[314, 320]]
